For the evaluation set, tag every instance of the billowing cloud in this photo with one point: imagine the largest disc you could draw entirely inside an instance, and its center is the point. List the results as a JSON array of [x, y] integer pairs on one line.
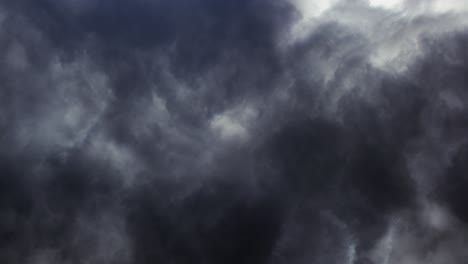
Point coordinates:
[[250, 131]]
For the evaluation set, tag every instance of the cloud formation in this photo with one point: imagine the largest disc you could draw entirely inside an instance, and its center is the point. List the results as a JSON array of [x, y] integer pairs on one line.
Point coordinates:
[[249, 131]]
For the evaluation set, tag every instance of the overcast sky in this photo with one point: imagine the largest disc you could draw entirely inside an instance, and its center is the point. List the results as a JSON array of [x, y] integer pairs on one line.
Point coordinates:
[[234, 131]]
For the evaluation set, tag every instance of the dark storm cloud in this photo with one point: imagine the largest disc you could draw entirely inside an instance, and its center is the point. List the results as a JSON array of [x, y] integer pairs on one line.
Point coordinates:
[[204, 131]]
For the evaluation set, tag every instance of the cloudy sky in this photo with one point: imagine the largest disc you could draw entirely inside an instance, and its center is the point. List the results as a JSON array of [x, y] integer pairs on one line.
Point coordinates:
[[234, 131]]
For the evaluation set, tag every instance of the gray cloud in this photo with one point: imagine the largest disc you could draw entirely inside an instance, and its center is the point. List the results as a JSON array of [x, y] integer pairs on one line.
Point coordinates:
[[201, 131]]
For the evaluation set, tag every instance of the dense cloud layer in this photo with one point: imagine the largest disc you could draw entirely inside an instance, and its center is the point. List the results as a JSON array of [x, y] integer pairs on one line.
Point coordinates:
[[248, 131]]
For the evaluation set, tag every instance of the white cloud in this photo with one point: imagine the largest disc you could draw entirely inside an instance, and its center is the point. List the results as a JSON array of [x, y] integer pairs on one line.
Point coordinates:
[[233, 124], [311, 9], [457, 6], [387, 4]]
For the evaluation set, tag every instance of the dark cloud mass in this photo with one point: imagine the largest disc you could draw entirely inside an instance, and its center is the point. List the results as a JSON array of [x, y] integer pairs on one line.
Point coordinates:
[[248, 131]]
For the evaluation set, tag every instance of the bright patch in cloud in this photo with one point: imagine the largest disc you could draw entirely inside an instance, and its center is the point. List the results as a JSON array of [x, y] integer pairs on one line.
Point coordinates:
[[233, 124], [387, 4]]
